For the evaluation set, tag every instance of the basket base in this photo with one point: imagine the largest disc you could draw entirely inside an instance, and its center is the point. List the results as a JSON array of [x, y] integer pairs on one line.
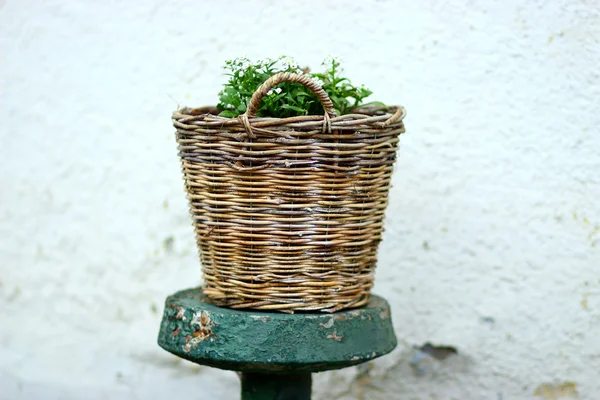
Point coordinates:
[[249, 341]]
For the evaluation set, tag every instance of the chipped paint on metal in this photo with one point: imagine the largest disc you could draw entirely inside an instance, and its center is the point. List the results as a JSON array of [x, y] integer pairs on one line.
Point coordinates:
[[335, 336], [385, 314], [263, 318], [203, 331], [180, 313], [329, 323]]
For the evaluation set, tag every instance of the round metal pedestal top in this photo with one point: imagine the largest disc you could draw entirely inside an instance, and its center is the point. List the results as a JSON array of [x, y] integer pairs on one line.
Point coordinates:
[[251, 341]]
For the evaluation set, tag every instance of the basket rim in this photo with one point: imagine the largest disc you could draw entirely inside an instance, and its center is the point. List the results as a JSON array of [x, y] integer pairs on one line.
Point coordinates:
[[213, 111]]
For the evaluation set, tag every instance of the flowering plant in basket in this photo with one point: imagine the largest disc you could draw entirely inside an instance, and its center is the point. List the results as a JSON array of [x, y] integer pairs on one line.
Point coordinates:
[[289, 99]]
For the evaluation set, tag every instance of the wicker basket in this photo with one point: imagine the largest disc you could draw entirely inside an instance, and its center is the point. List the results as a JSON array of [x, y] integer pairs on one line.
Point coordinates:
[[288, 213]]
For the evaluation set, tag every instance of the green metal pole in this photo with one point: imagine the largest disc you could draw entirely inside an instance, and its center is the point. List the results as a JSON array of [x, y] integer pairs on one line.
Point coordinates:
[[276, 386]]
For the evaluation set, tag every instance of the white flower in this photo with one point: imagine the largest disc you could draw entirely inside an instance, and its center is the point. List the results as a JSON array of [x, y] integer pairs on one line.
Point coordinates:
[[330, 60], [285, 63], [270, 92], [278, 90], [279, 67], [239, 64]]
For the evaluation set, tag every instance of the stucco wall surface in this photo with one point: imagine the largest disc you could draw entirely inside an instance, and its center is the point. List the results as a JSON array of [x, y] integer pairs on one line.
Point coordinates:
[[493, 229]]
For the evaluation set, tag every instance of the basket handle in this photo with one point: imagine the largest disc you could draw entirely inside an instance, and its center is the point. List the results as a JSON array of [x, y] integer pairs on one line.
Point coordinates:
[[289, 77]]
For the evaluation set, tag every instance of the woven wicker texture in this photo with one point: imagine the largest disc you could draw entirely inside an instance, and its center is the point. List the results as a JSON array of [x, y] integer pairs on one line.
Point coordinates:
[[288, 213]]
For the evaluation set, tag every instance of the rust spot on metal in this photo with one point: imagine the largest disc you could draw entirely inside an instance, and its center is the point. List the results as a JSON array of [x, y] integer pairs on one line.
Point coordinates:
[[175, 332], [203, 319], [202, 332], [341, 317], [180, 313], [335, 337]]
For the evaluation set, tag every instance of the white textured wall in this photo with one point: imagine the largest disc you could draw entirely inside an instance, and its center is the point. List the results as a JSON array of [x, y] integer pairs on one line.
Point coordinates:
[[493, 231]]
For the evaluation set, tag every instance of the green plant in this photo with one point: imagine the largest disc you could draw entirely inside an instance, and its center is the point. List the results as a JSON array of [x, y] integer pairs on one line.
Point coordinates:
[[287, 99]]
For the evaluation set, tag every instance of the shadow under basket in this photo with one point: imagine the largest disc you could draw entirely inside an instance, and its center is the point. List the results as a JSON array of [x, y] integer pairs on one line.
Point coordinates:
[[288, 213]]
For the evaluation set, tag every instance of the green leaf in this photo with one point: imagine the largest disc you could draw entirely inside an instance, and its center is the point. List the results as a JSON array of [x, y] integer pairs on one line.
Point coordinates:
[[294, 108], [228, 114]]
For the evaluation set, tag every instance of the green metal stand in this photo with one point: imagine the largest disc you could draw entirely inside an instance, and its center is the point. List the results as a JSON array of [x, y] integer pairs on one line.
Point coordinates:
[[275, 352]]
